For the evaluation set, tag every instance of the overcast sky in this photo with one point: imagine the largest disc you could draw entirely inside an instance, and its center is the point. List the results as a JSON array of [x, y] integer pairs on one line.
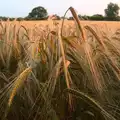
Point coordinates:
[[17, 8]]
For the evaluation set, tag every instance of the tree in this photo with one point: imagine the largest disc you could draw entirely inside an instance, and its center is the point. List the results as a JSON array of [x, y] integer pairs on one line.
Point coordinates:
[[97, 17], [63, 17], [20, 19], [84, 17], [54, 17], [112, 12], [3, 18], [57, 17], [38, 13], [80, 17], [70, 18]]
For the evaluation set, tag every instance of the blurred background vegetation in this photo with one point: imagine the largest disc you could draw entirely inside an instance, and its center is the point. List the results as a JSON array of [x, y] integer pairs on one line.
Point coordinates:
[[40, 13]]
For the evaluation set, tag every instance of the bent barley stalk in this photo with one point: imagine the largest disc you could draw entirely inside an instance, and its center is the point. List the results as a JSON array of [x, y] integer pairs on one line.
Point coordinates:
[[65, 66], [87, 49], [18, 83], [91, 101]]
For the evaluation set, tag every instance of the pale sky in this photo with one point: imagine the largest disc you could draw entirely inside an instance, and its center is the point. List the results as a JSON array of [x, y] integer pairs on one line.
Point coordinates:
[[21, 8]]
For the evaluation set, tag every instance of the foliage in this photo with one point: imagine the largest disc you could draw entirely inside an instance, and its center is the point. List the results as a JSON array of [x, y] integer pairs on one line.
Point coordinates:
[[97, 17], [3, 18], [64, 17], [84, 17], [70, 18], [58, 17], [20, 19], [38, 13], [112, 11]]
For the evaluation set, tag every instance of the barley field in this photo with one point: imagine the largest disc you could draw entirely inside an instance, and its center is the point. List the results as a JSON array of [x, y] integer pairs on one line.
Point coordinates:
[[55, 70]]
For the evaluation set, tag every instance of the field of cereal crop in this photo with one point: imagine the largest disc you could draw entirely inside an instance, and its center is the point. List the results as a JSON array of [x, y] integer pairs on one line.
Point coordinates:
[[54, 72]]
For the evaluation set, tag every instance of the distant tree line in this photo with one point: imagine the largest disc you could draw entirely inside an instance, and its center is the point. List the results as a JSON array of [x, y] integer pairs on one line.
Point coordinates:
[[40, 13], [111, 14]]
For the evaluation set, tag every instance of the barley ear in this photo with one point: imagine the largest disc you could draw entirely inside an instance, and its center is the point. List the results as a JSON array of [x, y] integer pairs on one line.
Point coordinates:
[[18, 83]]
